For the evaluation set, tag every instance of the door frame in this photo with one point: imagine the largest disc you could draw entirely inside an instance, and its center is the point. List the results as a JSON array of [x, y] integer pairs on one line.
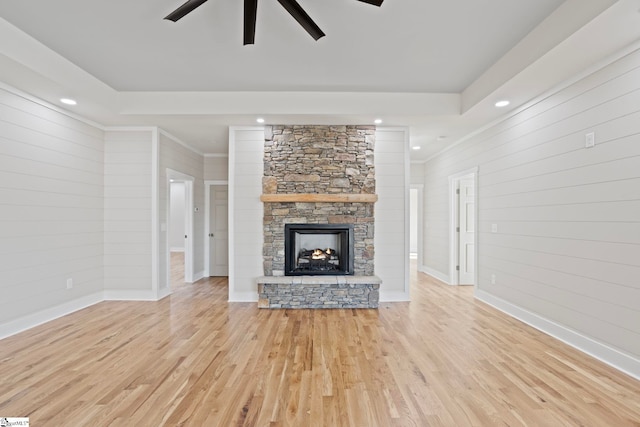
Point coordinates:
[[207, 222], [420, 228], [454, 245], [188, 224]]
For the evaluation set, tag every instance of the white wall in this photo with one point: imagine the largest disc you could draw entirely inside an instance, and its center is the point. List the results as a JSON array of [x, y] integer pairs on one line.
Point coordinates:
[[127, 214], [246, 166], [416, 173], [565, 257], [392, 213], [216, 168], [176, 216], [51, 212]]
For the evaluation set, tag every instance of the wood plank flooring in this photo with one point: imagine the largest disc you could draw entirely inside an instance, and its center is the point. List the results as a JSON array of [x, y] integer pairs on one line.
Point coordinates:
[[193, 359]]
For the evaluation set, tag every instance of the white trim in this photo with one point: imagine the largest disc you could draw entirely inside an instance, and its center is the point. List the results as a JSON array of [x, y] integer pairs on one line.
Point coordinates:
[[420, 191], [176, 249], [45, 104], [454, 181], [394, 296], [163, 293], [29, 321], [230, 210], [221, 155], [243, 296], [435, 274], [407, 219], [615, 358], [155, 211], [130, 128], [207, 228]]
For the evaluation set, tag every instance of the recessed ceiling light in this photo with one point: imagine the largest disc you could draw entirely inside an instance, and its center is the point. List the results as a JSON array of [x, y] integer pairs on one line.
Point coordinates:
[[260, 120], [441, 138], [68, 101], [377, 121], [502, 103], [415, 147]]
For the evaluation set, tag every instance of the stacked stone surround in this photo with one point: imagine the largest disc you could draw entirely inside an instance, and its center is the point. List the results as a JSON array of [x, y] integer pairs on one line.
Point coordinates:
[[319, 160], [276, 215]]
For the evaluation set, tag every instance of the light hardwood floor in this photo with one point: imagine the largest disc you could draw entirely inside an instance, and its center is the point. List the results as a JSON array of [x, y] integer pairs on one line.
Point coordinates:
[[193, 359]]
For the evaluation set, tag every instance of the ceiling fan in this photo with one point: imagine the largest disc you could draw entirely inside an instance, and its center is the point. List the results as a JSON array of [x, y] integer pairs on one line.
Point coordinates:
[[250, 12]]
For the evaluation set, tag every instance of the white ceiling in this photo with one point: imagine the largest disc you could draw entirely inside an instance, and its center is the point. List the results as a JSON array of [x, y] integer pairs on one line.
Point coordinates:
[[436, 66]]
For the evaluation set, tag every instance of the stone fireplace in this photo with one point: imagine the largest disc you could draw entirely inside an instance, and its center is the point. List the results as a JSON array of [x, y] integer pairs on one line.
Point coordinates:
[[319, 178]]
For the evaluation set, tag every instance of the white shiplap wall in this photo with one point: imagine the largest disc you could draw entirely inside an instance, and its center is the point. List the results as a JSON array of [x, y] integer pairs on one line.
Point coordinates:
[[127, 214], [176, 156], [392, 213], [51, 212], [246, 166], [566, 256]]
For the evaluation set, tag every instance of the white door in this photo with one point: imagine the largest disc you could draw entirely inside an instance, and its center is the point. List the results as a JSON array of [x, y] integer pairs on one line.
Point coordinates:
[[466, 231], [219, 235]]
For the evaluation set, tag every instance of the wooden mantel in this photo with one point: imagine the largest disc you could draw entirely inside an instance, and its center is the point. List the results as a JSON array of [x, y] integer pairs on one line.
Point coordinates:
[[319, 198]]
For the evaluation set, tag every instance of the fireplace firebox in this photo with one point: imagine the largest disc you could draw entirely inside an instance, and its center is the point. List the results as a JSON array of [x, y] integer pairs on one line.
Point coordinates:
[[318, 249]]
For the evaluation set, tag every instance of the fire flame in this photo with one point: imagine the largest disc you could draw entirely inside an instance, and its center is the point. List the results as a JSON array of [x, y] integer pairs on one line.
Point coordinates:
[[318, 254]]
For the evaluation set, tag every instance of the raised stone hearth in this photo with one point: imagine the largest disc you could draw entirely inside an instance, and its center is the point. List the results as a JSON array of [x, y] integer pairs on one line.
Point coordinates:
[[318, 291]]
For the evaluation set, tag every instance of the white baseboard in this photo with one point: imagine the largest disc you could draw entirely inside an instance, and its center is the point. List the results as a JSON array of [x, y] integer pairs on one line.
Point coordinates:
[[612, 357], [244, 296], [394, 296], [435, 274], [164, 292], [27, 322], [129, 295], [198, 276]]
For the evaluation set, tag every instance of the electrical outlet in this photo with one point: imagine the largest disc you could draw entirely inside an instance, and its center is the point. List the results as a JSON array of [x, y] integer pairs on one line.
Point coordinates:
[[69, 283], [590, 140], [494, 228], [493, 279]]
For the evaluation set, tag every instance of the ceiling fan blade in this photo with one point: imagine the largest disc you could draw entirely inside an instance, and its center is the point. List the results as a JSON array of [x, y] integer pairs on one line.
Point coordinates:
[[184, 9], [250, 13], [303, 19], [373, 2]]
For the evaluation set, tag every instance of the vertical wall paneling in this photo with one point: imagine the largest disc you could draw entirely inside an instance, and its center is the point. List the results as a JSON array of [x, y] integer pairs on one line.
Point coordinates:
[[128, 215], [246, 165], [559, 223], [392, 213], [51, 212]]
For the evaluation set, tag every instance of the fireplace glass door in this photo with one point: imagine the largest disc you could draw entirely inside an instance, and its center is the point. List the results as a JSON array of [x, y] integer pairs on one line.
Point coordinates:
[[318, 249]]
